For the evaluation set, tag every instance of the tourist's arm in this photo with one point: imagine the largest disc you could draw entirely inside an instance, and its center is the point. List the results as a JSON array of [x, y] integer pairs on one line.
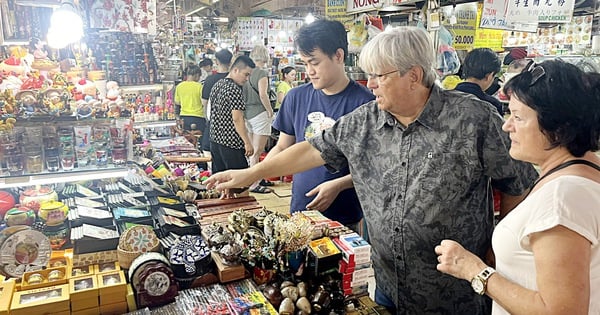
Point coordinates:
[[263, 83], [299, 157], [327, 192], [562, 265], [285, 141], [240, 128]]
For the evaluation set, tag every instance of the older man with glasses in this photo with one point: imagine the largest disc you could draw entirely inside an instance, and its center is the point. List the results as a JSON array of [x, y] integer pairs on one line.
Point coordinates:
[[423, 161]]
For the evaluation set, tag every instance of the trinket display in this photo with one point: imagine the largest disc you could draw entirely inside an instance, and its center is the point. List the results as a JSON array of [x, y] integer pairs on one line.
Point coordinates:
[[152, 280], [190, 257], [23, 249]]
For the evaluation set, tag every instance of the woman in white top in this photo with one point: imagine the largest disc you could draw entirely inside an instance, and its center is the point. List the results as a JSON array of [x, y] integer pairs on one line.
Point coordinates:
[[547, 251]]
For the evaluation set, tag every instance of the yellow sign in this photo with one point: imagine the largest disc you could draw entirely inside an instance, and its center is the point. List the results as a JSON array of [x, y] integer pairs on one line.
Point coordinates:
[[336, 10], [487, 38], [466, 23]]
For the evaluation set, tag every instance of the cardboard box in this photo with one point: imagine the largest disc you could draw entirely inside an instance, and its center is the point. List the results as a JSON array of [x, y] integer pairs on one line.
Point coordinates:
[[44, 278], [84, 292], [39, 301], [7, 288], [228, 273], [116, 308], [323, 255], [357, 244], [112, 283], [112, 298], [107, 267], [87, 311]]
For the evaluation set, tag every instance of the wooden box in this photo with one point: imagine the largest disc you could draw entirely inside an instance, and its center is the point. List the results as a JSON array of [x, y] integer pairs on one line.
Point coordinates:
[[81, 271], [112, 283], [115, 308], [44, 278], [39, 301], [131, 305], [7, 288], [107, 267], [228, 273], [84, 292], [87, 311]]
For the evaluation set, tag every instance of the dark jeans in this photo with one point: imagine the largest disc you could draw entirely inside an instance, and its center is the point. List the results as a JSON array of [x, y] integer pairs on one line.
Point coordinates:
[[385, 301]]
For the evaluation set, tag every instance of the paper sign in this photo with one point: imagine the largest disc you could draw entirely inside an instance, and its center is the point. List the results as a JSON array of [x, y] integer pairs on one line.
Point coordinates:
[[336, 10], [546, 11], [466, 22], [493, 16], [487, 38]]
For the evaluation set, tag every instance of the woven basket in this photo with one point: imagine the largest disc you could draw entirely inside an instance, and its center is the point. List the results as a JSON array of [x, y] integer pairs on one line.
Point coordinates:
[[126, 257]]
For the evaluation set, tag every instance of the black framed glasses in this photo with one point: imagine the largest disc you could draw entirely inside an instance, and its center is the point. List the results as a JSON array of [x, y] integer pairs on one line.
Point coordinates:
[[378, 76], [537, 72]]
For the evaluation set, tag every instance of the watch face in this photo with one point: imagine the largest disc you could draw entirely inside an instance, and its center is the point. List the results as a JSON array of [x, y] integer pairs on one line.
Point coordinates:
[[477, 285]]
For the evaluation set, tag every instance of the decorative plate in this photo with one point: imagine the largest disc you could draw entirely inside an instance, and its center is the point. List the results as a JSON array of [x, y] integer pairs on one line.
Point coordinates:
[[139, 238], [188, 250], [24, 250]]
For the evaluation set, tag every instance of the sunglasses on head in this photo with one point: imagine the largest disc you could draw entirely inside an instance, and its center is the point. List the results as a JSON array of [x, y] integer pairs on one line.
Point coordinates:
[[537, 72]]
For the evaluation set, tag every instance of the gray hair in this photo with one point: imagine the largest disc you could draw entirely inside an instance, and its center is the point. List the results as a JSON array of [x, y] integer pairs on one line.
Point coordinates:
[[400, 48], [259, 53]]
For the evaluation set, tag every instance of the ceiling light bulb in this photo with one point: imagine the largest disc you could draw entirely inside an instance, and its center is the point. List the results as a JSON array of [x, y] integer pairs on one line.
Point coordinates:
[[452, 19], [559, 36], [309, 18], [512, 39]]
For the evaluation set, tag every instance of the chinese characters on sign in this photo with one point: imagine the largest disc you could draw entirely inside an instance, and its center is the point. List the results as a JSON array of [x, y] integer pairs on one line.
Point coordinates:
[[493, 16], [558, 11]]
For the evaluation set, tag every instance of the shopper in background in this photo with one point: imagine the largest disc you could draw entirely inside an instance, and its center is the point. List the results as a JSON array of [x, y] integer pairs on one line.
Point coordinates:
[[547, 252], [223, 60], [422, 159], [309, 109], [514, 54], [288, 76], [479, 70], [258, 113], [188, 96], [206, 65], [229, 141]]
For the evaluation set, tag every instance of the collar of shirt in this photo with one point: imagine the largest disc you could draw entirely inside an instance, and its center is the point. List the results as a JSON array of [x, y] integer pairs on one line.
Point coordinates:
[[428, 116]]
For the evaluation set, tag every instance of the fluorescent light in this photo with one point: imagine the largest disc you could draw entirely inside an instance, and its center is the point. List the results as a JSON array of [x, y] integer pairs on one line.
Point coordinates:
[[66, 25], [62, 177], [196, 10]]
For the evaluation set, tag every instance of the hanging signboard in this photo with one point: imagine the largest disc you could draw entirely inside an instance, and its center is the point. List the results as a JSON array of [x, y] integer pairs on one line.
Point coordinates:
[[336, 10], [493, 16], [466, 22], [543, 11], [358, 6], [251, 31], [487, 38]]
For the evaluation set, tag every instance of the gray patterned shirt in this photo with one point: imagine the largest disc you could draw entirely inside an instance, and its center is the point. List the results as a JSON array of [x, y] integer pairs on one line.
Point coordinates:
[[424, 183]]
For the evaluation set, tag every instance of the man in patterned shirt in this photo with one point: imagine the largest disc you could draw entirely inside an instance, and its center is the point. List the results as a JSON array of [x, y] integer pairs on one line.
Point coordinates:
[[422, 160], [229, 142]]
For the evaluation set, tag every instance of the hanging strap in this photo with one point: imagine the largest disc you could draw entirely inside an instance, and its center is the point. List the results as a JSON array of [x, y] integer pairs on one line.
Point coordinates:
[[563, 165]]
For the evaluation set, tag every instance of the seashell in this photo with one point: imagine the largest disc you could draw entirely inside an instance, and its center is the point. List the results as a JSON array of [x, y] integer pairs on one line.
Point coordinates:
[[301, 289], [286, 307], [286, 284], [303, 304], [290, 292]]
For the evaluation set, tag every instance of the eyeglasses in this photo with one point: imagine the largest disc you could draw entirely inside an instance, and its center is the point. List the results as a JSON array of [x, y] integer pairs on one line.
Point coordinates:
[[537, 72], [373, 76]]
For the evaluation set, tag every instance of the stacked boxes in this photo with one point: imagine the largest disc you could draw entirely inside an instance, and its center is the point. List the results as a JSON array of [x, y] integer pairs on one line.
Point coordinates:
[[6, 293], [84, 295], [113, 292], [355, 266], [46, 300]]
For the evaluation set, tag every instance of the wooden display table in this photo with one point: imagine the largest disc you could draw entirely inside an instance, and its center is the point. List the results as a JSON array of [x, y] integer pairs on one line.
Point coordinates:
[[187, 159]]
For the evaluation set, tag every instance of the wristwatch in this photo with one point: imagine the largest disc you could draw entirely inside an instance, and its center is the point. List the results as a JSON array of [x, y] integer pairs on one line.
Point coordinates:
[[479, 282]]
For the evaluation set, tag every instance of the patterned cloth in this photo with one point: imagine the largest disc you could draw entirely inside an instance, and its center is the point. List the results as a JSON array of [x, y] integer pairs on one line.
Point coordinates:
[[225, 96], [424, 183]]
